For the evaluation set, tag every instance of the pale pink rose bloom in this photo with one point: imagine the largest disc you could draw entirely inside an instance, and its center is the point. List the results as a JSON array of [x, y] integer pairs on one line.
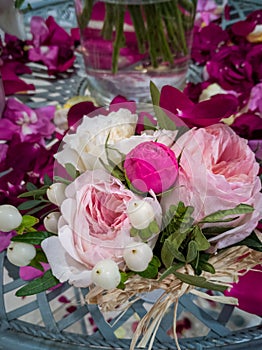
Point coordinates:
[[94, 226], [217, 171]]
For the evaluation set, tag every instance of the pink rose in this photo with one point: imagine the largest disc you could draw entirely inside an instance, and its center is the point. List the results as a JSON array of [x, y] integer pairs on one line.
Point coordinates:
[[218, 170], [94, 226], [151, 166]]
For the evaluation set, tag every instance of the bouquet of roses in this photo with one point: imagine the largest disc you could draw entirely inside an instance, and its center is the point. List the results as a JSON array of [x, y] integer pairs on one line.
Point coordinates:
[[140, 202]]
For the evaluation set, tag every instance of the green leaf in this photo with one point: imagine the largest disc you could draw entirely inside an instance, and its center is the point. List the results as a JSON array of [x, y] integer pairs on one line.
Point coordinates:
[[199, 281], [30, 186], [36, 264], [152, 269], [134, 232], [19, 3], [71, 170], [171, 270], [200, 239], [38, 285], [153, 227], [124, 278], [218, 216], [252, 241], [155, 94], [164, 122], [47, 181], [206, 266], [29, 204], [192, 251], [40, 257], [170, 252], [148, 125], [29, 221], [35, 237], [145, 234], [37, 209], [62, 180], [36, 193]]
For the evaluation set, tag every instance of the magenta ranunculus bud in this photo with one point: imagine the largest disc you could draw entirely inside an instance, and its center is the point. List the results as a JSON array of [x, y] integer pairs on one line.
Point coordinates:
[[151, 166]]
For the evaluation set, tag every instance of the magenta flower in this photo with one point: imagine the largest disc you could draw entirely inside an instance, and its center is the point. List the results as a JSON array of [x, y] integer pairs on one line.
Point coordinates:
[[13, 49], [255, 102], [248, 291], [254, 58], [207, 41], [31, 125], [193, 91], [10, 74], [79, 110], [151, 166], [206, 12], [5, 239], [256, 146], [22, 162], [248, 125], [231, 69], [200, 114], [52, 45], [245, 27]]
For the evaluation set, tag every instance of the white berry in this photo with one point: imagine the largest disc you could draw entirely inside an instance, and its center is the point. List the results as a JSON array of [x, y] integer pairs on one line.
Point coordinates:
[[51, 221], [56, 193], [137, 256], [106, 274], [140, 214], [20, 254], [10, 218]]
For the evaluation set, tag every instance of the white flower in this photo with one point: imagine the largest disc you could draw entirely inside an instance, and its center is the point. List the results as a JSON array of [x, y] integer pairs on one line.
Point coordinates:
[[84, 148]]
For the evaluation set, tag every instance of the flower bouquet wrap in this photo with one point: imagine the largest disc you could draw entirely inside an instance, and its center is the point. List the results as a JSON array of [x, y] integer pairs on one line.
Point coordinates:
[[140, 201]]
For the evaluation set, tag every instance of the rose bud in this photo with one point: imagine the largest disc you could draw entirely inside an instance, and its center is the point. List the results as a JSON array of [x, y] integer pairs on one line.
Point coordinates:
[[151, 166]]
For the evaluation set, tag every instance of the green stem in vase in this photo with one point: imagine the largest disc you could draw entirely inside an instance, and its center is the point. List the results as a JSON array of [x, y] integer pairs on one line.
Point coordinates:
[[170, 27], [151, 33], [139, 26], [167, 54], [85, 15], [108, 26], [119, 39], [181, 32]]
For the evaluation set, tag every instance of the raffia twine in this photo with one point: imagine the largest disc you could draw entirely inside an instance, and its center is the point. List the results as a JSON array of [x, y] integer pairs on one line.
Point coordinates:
[[229, 265]]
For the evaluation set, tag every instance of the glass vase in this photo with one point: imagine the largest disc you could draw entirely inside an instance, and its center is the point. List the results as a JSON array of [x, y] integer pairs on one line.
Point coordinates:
[[128, 43]]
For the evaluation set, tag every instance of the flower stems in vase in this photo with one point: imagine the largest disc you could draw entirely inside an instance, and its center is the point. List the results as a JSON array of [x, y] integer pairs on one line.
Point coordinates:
[[161, 28]]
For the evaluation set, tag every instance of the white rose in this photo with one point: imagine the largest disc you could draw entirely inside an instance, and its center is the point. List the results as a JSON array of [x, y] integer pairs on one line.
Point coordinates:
[[84, 148]]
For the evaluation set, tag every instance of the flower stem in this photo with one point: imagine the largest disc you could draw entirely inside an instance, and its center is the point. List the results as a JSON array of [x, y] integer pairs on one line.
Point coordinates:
[[150, 14], [170, 27], [139, 26], [85, 15], [119, 39], [107, 30], [178, 17], [167, 54]]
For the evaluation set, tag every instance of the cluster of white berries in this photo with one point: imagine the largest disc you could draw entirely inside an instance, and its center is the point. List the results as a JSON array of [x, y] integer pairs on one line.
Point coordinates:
[[56, 195], [106, 273], [20, 253]]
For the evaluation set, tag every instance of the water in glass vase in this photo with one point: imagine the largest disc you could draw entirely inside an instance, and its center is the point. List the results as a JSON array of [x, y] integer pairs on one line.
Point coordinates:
[[128, 43]]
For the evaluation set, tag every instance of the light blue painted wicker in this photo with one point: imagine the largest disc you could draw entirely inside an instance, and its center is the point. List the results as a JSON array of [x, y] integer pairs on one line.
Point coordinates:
[[53, 330]]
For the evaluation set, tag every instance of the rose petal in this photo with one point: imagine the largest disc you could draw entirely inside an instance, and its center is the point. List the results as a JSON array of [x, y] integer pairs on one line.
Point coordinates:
[[64, 267]]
